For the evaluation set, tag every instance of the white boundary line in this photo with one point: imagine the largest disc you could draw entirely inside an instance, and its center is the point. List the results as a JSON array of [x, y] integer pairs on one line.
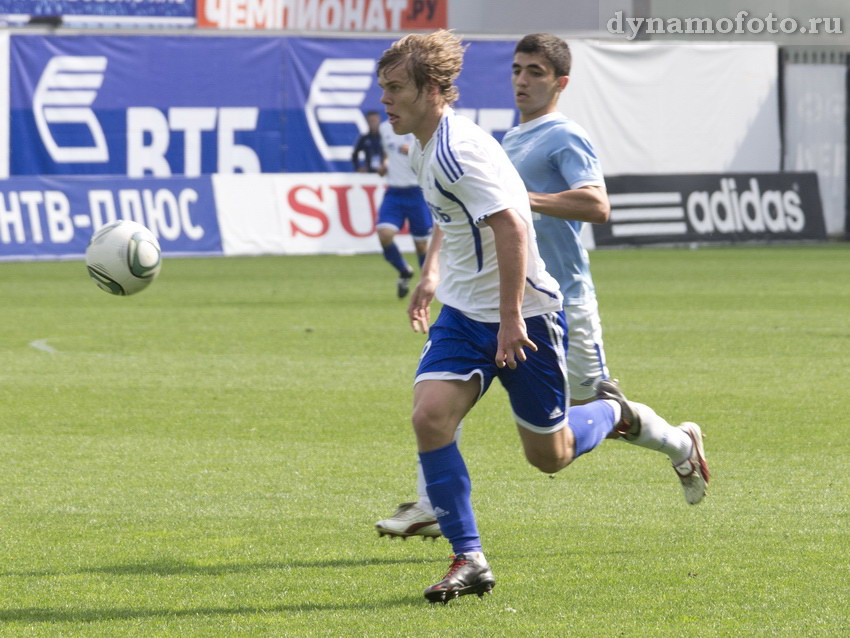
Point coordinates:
[[41, 344]]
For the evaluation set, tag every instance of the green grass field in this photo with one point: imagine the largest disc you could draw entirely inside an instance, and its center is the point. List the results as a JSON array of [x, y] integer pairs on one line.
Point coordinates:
[[208, 457]]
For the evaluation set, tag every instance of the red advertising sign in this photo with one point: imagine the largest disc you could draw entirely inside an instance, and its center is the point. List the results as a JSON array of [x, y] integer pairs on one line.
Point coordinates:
[[324, 15]]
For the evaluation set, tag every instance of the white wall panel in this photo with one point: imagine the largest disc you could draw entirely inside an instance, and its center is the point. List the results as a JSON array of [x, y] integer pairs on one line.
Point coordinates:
[[677, 108], [815, 132]]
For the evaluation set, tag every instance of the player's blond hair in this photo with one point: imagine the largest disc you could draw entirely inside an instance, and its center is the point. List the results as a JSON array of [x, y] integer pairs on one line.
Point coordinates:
[[434, 58]]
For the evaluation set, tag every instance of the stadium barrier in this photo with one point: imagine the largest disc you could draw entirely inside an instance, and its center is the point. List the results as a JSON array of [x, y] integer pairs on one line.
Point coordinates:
[[335, 213], [706, 208], [290, 214], [84, 117]]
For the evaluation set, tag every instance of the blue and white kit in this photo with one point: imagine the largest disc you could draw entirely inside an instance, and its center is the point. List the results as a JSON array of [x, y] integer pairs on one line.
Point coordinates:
[[466, 177], [403, 199]]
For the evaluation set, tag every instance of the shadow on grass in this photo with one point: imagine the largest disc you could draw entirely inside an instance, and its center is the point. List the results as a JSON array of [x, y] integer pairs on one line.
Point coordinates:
[[173, 567], [47, 615], [170, 567]]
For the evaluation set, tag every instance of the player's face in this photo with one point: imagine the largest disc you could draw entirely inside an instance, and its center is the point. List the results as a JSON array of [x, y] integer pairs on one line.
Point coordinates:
[[536, 87], [408, 109]]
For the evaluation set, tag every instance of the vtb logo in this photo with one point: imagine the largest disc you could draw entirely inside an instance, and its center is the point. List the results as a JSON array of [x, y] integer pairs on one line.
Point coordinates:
[[63, 96], [336, 99], [336, 95]]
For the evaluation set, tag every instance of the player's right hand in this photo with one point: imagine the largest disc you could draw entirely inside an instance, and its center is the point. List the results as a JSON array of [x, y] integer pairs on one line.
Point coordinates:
[[512, 341]]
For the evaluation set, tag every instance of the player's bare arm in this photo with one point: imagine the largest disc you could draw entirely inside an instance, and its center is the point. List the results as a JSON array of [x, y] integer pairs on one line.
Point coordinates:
[[585, 204], [511, 252], [419, 309]]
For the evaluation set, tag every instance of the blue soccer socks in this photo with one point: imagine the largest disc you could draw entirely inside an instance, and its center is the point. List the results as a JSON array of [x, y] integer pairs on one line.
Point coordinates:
[[393, 255], [449, 489], [590, 424]]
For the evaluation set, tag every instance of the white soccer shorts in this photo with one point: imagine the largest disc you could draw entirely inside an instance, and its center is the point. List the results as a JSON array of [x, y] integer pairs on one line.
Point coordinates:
[[586, 355]]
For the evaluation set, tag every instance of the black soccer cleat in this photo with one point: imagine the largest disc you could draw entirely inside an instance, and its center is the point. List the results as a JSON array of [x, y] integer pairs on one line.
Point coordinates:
[[468, 574], [403, 284], [629, 424]]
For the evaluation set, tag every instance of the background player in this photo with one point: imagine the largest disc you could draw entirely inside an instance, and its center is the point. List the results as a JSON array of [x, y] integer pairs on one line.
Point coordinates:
[[560, 169], [368, 145], [402, 201]]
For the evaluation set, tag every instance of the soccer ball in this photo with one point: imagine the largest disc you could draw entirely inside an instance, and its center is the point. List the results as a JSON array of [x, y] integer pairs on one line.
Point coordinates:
[[123, 257]]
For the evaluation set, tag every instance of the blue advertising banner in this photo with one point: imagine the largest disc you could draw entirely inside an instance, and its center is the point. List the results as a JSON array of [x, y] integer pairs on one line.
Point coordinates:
[[144, 105], [156, 106], [330, 84], [52, 217], [178, 12]]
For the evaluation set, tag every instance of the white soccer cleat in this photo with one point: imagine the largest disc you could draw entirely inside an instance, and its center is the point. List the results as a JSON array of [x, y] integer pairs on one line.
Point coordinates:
[[409, 520], [693, 471]]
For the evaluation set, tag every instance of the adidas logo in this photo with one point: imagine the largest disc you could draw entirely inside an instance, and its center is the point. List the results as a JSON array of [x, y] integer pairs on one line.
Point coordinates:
[[439, 512], [556, 413]]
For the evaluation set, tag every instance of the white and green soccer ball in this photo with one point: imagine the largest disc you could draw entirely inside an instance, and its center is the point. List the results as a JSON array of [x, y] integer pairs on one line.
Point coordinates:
[[123, 257]]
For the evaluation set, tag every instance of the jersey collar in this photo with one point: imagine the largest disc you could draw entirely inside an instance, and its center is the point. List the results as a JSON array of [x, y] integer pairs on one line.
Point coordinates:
[[539, 121]]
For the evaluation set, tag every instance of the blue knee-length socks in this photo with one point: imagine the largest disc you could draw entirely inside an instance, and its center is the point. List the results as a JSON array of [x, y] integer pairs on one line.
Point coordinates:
[[590, 424], [449, 489], [393, 255]]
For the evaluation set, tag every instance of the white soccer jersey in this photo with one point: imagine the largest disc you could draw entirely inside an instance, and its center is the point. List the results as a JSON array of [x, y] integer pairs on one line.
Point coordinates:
[[399, 172], [466, 177]]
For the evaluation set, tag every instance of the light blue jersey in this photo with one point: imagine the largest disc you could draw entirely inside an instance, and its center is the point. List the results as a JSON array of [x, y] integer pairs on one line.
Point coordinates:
[[553, 154]]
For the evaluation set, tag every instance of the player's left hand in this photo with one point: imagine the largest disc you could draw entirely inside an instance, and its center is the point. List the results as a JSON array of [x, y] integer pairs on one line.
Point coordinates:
[[419, 309], [512, 341]]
